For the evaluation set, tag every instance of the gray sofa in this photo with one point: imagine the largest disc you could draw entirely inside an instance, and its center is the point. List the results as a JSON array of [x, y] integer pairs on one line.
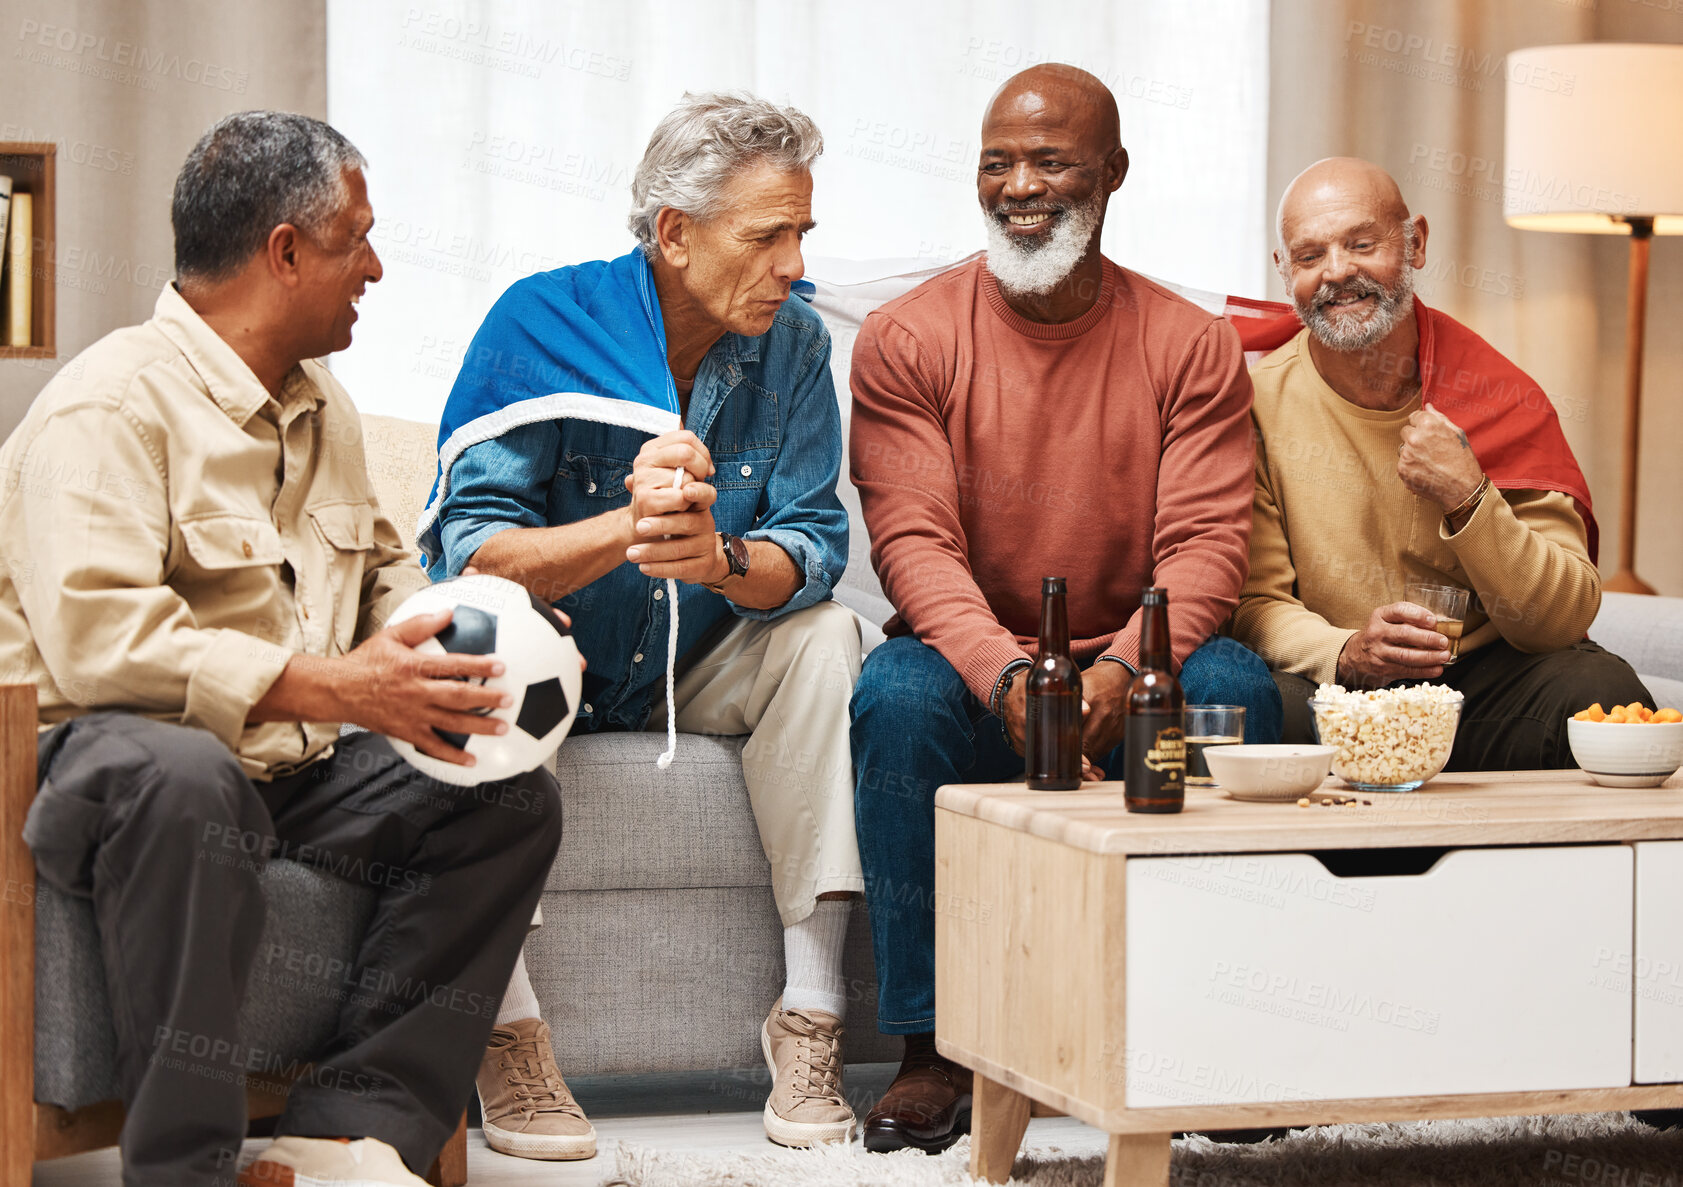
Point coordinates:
[[661, 949]]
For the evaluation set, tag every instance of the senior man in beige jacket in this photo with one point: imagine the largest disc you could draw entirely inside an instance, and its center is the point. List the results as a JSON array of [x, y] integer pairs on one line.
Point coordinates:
[[195, 577]]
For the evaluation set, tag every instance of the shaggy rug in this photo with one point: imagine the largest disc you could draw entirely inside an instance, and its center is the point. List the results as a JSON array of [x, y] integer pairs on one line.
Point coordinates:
[[1595, 1150]]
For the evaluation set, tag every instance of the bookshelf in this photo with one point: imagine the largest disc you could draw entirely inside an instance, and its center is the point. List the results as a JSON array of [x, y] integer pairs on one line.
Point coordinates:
[[31, 167]]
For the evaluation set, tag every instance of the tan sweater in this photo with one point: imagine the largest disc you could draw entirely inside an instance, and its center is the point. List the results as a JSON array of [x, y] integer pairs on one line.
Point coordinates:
[[1335, 534]]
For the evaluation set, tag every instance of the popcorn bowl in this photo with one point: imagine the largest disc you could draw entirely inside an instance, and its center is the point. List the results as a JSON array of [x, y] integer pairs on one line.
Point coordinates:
[[1390, 739], [1621, 754]]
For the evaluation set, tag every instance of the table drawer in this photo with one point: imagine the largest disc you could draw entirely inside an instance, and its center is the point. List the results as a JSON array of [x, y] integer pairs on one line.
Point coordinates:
[[1658, 968], [1268, 977]]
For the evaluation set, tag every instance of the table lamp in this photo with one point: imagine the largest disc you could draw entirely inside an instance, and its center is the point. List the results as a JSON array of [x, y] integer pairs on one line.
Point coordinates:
[[1595, 145]]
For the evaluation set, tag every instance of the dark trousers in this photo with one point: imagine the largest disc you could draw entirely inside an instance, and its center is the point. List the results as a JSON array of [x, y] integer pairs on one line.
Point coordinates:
[[917, 727], [159, 826], [1517, 703]]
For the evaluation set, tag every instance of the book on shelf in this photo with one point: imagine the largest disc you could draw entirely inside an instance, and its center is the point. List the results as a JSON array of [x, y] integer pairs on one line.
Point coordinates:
[[20, 270], [5, 208]]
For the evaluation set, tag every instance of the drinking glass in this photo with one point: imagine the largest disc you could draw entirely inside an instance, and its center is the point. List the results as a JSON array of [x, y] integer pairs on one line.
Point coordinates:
[[1449, 604], [1206, 726]]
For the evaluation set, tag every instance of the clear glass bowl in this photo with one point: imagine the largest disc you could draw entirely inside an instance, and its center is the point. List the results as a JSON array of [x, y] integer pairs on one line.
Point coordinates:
[[1387, 745]]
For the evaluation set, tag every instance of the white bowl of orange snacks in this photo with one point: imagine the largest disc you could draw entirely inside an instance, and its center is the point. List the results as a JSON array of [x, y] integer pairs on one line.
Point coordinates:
[[1627, 745]]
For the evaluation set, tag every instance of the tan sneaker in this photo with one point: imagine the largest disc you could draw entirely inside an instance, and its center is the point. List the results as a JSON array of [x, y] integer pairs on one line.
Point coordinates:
[[803, 1051], [529, 1111], [328, 1162]]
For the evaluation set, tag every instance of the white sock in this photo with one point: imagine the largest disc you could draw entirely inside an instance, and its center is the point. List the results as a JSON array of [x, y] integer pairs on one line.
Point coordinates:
[[812, 952], [519, 1001]]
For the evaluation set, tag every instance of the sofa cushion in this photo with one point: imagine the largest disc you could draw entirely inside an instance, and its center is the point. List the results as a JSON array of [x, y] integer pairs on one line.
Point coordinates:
[[630, 825], [402, 458], [678, 980], [1667, 692], [1648, 633], [312, 926]]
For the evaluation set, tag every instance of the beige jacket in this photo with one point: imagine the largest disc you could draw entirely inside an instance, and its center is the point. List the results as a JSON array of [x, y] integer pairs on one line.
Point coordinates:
[[171, 534]]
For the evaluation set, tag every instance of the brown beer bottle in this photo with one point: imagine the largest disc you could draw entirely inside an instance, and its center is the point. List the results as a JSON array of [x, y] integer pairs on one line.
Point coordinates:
[[1052, 734], [1154, 738]]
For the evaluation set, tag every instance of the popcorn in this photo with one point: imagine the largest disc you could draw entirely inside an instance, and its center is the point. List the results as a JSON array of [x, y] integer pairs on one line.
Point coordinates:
[[1392, 737]]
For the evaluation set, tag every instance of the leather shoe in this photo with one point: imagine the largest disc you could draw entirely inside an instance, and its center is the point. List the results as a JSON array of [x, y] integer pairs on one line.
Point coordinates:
[[928, 1105]]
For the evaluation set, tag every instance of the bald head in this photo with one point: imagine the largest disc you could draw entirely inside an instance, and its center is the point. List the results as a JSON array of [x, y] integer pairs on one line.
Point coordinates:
[[1339, 183], [1058, 94]]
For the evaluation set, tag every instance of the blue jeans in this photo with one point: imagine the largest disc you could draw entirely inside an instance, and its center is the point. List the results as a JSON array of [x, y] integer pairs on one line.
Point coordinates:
[[916, 727]]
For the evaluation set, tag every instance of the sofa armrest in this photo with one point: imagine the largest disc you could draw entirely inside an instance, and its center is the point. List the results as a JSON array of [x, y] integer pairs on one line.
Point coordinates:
[[17, 934], [1646, 631]]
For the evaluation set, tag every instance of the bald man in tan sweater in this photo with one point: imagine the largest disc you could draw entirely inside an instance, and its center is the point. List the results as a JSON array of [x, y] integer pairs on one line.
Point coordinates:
[[1396, 446]]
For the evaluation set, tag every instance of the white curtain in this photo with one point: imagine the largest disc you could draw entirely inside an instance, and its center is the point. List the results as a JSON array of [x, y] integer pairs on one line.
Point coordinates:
[[502, 137]]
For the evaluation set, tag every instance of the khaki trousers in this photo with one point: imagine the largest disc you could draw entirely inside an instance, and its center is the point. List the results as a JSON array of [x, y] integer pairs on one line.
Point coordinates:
[[786, 684]]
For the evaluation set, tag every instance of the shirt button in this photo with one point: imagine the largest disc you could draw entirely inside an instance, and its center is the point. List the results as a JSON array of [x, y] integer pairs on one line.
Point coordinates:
[[245, 547], [590, 488], [659, 594], [638, 658], [587, 708], [747, 470]]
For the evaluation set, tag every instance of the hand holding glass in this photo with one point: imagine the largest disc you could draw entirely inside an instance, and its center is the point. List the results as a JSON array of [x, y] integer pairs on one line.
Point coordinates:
[[1449, 604]]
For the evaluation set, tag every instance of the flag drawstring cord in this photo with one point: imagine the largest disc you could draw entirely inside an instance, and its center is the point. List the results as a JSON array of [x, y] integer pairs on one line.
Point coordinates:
[[665, 760]]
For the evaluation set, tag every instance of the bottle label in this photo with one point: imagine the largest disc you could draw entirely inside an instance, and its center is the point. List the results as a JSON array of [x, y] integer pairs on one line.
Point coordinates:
[[1154, 757], [1168, 753]]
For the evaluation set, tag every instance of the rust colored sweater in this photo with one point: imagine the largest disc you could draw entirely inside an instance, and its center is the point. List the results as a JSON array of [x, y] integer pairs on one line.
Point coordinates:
[[991, 451]]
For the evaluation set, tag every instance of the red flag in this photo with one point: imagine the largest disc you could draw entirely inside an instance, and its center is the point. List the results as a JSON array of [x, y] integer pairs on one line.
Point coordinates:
[[1508, 418]]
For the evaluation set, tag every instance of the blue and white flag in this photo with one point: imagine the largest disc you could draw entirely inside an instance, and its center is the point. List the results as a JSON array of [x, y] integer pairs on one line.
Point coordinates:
[[579, 343]]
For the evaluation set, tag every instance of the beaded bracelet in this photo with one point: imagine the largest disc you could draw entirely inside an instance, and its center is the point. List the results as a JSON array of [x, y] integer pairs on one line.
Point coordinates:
[[1004, 682]]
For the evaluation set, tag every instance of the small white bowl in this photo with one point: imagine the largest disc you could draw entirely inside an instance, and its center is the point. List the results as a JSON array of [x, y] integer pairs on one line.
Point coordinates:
[[1269, 772], [1623, 754]]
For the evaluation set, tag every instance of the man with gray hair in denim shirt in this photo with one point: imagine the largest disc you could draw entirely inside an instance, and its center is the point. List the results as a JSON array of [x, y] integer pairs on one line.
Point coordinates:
[[657, 429]]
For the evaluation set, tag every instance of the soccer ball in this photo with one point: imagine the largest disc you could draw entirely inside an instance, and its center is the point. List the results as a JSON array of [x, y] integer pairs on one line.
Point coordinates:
[[494, 616]]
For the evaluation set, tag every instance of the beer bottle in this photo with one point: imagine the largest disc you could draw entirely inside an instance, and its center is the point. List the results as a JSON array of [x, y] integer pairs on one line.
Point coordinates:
[[1153, 737], [1052, 735]]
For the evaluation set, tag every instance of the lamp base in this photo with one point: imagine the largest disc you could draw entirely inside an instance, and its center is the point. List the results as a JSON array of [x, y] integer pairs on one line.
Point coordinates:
[[1626, 581]]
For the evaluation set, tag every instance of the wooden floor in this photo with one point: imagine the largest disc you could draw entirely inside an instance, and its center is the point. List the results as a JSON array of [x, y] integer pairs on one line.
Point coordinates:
[[691, 1112]]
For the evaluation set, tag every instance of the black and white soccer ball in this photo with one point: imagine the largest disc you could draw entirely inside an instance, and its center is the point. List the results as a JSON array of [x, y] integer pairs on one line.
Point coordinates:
[[494, 616]]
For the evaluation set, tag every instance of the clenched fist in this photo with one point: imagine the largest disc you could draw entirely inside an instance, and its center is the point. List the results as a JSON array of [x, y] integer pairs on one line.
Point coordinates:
[[1435, 460]]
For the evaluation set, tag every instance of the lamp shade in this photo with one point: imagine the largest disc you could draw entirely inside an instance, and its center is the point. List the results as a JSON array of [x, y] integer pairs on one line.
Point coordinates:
[[1594, 135]]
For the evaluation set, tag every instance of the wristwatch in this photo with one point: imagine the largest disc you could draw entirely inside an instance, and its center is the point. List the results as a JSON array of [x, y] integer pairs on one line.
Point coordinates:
[[736, 554]]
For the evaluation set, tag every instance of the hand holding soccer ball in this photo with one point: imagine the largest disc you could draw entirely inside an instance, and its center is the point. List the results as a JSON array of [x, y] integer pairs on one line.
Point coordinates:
[[522, 669]]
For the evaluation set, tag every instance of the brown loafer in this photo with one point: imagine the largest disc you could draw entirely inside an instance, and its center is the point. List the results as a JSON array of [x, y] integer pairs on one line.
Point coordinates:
[[928, 1105]]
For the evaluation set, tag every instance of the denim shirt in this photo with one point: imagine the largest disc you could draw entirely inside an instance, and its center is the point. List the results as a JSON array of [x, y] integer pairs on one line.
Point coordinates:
[[766, 410]]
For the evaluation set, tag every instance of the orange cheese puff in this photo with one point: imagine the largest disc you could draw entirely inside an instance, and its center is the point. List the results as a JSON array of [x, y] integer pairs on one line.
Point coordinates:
[[1668, 715], [1595, 713], [1647, 714]]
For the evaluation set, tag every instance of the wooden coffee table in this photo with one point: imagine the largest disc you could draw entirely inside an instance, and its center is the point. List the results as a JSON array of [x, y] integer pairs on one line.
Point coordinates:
[[1489, 945]]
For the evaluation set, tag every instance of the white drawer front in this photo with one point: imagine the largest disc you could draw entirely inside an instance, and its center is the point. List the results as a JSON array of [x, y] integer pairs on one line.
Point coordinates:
[[1264, 977], [1658, 967]]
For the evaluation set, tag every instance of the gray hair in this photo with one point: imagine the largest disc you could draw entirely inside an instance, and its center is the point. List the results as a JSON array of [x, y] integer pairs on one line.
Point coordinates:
[[706, 141], [249, 174]]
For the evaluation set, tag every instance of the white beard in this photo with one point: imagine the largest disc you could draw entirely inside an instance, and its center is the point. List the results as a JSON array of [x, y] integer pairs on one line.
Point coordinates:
[[1033, 271], [1345, 334]]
